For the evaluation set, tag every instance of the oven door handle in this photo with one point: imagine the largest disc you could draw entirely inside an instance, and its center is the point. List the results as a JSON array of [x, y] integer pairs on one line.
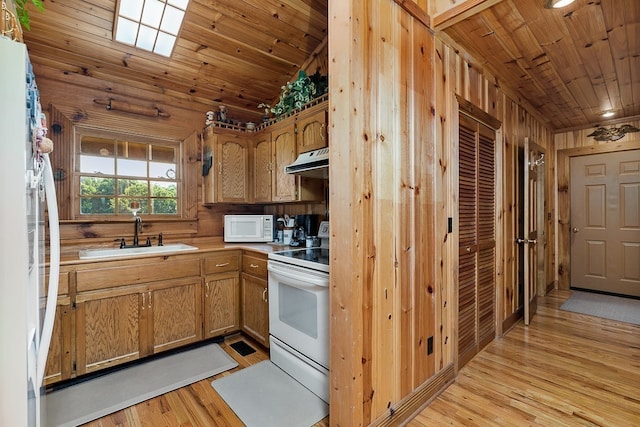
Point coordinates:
[[301, 281]]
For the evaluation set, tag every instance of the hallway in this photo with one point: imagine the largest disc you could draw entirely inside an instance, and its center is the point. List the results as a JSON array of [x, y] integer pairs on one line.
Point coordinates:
[[566, 369]]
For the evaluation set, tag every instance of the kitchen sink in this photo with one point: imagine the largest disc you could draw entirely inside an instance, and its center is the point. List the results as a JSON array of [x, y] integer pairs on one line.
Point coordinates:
[[141, 250]]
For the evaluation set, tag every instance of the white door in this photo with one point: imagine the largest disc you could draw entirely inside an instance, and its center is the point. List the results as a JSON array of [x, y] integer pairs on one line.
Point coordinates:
[[605, 222]]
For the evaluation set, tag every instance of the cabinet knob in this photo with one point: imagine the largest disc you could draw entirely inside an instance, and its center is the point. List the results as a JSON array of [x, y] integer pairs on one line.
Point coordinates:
[[253, 265], [224, 264], [264, 295]]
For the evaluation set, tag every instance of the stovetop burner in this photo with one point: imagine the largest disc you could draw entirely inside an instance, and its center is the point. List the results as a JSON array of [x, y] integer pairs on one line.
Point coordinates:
[[316, 258]]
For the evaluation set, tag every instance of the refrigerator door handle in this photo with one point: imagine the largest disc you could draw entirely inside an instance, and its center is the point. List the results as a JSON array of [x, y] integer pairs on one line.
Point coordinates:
[[54, 270]]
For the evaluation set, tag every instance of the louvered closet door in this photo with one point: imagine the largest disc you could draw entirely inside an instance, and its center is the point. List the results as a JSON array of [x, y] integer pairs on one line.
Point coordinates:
[[476, 231]]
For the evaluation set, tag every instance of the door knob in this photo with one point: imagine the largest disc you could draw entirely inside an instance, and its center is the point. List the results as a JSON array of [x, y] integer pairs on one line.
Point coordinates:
[[521, 241], [575, 229], [532, 241]]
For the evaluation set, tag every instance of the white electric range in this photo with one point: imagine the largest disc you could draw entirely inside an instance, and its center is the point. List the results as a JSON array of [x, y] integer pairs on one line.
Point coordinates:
[[299, 313]]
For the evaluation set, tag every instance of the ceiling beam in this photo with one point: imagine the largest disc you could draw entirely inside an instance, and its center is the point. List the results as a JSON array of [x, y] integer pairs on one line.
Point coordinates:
[[461, 12]]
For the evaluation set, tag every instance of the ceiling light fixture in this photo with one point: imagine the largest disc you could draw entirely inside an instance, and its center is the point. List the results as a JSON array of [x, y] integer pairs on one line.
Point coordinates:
[[556, 4], [151, 25], [608, 114]]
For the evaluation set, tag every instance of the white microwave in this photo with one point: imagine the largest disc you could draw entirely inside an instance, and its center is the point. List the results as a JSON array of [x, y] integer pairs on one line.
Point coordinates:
[[248, 228]]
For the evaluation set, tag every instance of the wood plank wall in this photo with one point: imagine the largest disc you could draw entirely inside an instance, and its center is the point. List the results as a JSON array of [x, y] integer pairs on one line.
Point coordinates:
[[383, 290], [68, 98], [394, 266]]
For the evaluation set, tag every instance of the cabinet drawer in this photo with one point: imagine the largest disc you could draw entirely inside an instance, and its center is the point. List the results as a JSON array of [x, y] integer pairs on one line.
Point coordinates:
[[108, 277], [222, 263], [254, 265], [63, 282]]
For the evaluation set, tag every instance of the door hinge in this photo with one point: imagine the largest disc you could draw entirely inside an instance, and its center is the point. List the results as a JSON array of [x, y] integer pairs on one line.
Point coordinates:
[[73, 305], [74, 366]]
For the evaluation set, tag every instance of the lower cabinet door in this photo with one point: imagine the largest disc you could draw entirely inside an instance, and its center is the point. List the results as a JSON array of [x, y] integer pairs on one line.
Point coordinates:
[[107, 329], [122, 324], [255, 303], [175, 315], [221, 304]]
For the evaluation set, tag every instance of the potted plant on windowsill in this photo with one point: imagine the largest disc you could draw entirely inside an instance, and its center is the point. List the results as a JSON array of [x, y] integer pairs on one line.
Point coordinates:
[[297, 93]]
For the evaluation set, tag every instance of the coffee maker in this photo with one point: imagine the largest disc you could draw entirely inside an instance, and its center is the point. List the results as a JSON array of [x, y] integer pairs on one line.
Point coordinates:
[[305, 226]]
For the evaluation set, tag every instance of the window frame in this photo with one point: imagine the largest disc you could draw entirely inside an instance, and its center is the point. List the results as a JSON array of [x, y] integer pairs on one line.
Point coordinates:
[[80, 132]]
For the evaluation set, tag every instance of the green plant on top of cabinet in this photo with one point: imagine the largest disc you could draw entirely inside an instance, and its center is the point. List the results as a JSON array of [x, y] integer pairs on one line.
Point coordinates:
[[222, 294], [125, 312], [226, 159], [255, 297]]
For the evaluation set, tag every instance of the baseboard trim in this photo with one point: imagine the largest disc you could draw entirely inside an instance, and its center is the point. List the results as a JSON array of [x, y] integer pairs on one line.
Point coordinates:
[[511, 320], [407, 408]]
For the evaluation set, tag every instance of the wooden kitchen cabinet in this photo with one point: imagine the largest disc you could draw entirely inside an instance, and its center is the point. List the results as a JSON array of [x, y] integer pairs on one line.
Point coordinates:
[[283, 143], [175, 309], [262, 168], [255, 297], [286, 187], [222, 294], [124, 311], [59, 359], [226, 158], [221, 304], [311, 129]]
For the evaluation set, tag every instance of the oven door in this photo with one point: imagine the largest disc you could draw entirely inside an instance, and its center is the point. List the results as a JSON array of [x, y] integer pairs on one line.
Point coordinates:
[[299, 309]]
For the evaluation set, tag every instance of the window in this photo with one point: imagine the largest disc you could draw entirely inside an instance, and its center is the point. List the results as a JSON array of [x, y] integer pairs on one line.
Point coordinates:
[[151, 25], [116, 176]]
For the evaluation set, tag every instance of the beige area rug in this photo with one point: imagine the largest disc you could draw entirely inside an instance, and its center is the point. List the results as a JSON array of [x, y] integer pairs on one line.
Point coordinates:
[[263, 395], [606, 306], [95, 398]]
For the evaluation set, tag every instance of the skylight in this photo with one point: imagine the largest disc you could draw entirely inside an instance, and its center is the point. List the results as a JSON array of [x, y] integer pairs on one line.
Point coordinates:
[[151, 25]]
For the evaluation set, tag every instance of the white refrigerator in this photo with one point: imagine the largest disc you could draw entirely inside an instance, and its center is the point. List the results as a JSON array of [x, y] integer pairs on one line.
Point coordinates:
[[26, 184]]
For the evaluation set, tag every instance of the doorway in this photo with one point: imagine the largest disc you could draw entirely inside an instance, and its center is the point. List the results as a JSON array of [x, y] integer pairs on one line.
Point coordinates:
[[605, 222]]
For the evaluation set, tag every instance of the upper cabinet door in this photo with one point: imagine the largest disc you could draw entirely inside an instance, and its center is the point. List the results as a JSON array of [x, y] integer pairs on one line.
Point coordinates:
[[312, 129], [262, 170], [233, 169], [283, 141], [225, 168]]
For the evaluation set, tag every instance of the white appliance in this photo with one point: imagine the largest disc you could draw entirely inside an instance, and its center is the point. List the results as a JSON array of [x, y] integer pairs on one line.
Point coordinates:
[[248, 228], [299, 314], [26, 316], [312, 164]]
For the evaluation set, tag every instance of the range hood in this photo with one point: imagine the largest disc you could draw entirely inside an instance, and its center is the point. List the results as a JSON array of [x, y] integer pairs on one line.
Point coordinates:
[[313, 164]]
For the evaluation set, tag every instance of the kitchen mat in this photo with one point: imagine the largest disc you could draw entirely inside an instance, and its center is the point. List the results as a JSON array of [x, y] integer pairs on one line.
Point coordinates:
[[263, 395], [242, 348], [95, 398]]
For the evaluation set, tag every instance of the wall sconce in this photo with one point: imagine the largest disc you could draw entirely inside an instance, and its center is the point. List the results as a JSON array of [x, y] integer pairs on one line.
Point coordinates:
[[612, 134], [556, 4]]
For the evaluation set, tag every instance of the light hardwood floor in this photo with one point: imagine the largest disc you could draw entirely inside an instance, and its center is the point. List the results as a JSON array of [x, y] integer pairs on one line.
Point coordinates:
[[565, 369]]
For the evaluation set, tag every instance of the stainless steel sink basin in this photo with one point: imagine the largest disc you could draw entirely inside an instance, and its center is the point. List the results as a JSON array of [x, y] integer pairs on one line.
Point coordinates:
[[113, 253]]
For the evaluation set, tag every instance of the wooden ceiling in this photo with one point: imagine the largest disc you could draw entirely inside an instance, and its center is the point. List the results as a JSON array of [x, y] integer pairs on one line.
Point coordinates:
[[569, 64], [231, 52]]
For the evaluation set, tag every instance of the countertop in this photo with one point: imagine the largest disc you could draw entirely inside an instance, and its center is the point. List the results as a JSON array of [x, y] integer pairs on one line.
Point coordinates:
[[70, 255]]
